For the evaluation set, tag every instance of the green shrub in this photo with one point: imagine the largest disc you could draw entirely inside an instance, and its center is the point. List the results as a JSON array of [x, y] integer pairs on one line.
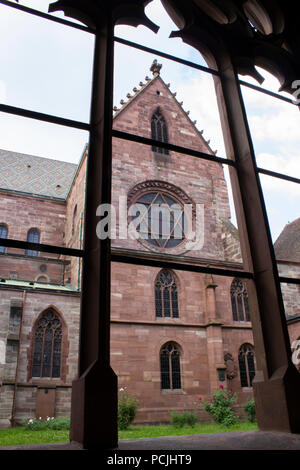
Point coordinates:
[[220, 406], [249, 408], [48, 423], [127, 407], [186, 418]]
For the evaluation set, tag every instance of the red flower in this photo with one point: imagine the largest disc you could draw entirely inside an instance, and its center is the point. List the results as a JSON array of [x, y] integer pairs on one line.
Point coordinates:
[[211, 400], [200, 398], [221, 386], [230, 389]]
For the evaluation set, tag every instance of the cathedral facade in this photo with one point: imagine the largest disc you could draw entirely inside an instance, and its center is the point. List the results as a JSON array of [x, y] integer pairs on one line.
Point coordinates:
[[176, 335]]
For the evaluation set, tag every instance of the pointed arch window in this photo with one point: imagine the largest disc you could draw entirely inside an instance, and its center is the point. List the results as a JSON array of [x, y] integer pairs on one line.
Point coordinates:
[[159, 131], [47, 346], [166, 295], [170, 367], [239, 301], [33, 236], [246, 365], [3, 234]]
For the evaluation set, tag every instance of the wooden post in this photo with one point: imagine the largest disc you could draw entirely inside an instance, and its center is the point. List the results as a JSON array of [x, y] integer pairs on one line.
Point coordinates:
[[94, 394], [277, 383]]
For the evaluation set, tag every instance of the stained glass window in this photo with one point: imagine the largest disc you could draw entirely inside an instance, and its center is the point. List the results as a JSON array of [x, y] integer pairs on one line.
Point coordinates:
[[170, 367], [3, 234], [239, 301], [166, 298], [159, 131], [33, 236], [47, 346], [246, 365], [160, 219]]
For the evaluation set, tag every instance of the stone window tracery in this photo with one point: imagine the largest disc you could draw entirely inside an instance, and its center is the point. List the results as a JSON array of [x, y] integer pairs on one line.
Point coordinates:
[[159, 131], [246, 365], [166, 295], [170, 367], [47, 346], [239, 301]]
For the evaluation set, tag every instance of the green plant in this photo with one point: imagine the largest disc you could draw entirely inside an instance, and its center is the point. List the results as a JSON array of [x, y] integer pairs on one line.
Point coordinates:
[[220, 406], [186, 418], [249, 408], [48, 423], [127, 407]]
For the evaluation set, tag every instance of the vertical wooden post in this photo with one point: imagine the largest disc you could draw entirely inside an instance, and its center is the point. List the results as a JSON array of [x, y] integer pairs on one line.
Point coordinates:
[[277, 383], [94, 394]]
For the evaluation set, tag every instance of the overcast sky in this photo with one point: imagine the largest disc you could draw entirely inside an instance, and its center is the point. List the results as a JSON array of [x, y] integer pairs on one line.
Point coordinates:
[[47, 67]]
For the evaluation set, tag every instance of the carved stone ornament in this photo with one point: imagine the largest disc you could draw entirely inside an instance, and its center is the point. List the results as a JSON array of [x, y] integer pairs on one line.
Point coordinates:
[[92, 12], [231, 369], [253, 33]]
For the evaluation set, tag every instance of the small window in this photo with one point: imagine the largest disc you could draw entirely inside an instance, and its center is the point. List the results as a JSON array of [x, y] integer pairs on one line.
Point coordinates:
[[33, 236], [159, 131], [239, 301], [3, 234], [47, 346], [246, 365], [170, 367], [166, 297]]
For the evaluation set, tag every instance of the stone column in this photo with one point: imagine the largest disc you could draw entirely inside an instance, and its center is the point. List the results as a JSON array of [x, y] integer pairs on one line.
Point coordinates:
[[213, 335]]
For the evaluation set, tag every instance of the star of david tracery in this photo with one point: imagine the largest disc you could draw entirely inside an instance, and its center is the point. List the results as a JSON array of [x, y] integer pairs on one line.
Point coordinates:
[[160, 219]]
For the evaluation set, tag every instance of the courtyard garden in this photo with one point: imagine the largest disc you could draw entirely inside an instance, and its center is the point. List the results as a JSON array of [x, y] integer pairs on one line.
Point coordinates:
[[219, 408]]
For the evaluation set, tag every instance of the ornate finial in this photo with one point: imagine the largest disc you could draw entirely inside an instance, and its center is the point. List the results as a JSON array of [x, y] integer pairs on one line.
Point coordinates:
[[135, 89], [141, 84], [116, 108], [122, 102], [128, 95], [155, 67]]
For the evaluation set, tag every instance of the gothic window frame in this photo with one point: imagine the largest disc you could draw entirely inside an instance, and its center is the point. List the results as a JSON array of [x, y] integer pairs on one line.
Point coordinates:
[[166, 294], [3, 234], [239, 301], [167, 192], [33, 236], [35, 362], [247, 367], [170, 366], [159, 130]]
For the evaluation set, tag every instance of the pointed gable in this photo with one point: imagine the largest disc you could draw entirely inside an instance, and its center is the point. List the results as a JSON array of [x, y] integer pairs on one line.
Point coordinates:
[[134, 115]]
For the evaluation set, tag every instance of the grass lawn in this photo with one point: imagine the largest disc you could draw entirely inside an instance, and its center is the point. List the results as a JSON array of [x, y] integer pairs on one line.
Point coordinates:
[[19, 435], [135, 432]]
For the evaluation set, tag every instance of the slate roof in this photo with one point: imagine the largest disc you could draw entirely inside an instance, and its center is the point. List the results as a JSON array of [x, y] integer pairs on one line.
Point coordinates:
[[35, 175], [287, 245]]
